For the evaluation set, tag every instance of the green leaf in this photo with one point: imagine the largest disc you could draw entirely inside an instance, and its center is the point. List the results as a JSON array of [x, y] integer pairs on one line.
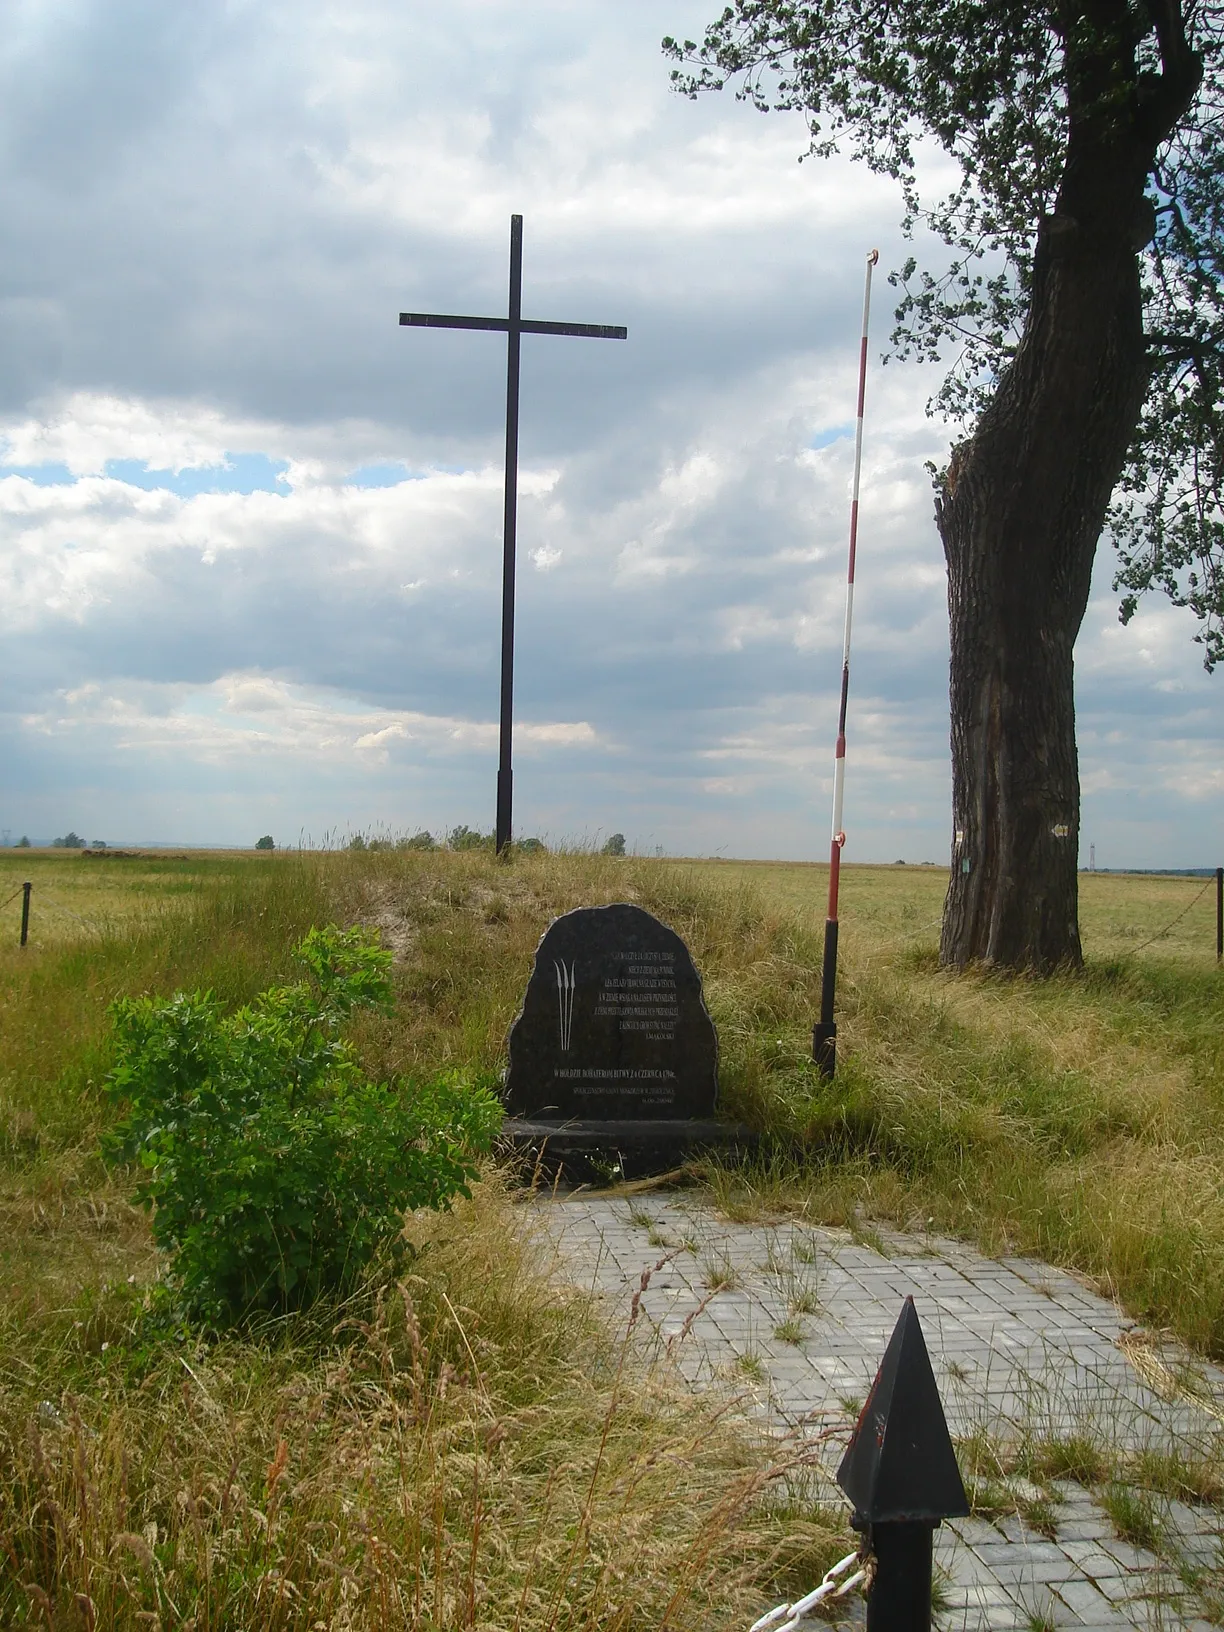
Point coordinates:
[[273, 1167]]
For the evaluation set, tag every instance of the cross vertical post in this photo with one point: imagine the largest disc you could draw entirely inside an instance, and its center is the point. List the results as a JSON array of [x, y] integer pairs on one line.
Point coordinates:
[[505, 737], [514, 326]]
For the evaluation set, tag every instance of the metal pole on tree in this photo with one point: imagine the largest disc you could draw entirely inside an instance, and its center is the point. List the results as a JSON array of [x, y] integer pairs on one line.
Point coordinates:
[[824, 1034]]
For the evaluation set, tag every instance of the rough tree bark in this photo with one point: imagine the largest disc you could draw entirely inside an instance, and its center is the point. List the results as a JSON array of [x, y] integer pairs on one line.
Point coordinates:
[[1020, 512]]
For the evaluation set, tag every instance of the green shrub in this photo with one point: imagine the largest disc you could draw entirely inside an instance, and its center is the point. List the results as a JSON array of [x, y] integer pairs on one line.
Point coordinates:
[[424, 840], [274, 1167], [468, 838]]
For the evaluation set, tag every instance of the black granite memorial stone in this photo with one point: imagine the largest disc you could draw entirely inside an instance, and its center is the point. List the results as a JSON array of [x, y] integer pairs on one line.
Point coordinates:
[[613, 1026], [614, 1046]]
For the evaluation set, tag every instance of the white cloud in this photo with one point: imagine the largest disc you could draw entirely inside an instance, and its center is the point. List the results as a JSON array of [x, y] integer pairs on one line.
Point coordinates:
[[88, 429], [321, 649], [243, 714]]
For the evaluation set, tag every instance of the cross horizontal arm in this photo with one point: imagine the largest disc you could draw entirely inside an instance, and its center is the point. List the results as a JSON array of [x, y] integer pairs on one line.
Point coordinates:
[[592, 331], [438, 320]]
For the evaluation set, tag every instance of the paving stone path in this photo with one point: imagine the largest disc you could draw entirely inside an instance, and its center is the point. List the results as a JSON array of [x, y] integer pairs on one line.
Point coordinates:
[[796, 1318]]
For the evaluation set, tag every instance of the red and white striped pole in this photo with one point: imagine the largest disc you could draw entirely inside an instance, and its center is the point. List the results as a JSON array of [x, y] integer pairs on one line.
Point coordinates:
[[824, 1034]]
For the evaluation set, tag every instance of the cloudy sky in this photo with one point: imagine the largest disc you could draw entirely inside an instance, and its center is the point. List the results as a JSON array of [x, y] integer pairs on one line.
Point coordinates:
[[250, 528]]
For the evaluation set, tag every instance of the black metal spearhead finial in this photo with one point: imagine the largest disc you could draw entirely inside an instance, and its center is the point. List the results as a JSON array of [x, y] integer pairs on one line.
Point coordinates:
[[899, 1467]]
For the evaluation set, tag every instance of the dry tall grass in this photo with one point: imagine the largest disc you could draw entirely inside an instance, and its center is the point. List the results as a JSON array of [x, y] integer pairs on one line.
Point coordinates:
[[1080, 1118], [468, 1448], [463, 1446]]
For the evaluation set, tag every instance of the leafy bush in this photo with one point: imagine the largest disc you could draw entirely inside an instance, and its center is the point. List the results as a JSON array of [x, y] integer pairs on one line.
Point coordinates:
[[615, 845], [469, 838], [416, 841], [266, 843], [275, 1169], [424, 840]]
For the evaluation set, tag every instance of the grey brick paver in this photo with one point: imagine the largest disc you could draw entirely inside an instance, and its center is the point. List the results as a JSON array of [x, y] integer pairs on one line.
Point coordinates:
[[1084, 1597], [1092, 1559], [1021, 1571], [1102, 1621], [1130, 1558], [1031, 1345], [1119, 1589], [1086, 1532]]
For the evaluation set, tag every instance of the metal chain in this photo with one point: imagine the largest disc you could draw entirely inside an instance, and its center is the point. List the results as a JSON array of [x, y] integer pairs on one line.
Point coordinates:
[[786, 1616]]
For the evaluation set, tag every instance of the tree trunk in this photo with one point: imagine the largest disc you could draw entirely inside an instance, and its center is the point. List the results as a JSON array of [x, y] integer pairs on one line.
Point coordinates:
[[1020, 512]]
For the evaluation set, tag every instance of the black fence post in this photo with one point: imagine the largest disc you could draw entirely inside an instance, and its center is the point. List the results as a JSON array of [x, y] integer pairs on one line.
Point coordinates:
[[25, 913], [1219, 914], [900, 1473]]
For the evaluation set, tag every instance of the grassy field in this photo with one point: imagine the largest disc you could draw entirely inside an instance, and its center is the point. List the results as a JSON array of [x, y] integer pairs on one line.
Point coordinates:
[[1080, 1118], [884, 907], [462, 1445], [467, 1447]]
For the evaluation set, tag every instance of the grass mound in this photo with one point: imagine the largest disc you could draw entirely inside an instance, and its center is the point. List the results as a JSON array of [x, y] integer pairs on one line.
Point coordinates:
[[464, 1445], [461, 1443], [1080, 1118]]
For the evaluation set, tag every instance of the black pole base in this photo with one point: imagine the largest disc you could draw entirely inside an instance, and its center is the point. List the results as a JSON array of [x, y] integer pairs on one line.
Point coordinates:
[[824, 1047], [900, 1596], [505, 797]]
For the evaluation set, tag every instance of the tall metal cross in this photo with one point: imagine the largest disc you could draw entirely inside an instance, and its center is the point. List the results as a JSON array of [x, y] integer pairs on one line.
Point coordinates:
[[512, 326]]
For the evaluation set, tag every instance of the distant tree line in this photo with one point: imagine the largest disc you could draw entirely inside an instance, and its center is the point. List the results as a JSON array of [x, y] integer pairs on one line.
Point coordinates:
[[456, 838], [460, 838]]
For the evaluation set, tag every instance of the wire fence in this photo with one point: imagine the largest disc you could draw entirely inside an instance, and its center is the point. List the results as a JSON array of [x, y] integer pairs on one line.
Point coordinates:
[[45, 900], [876, 947], [1173, 922], [42, 902]]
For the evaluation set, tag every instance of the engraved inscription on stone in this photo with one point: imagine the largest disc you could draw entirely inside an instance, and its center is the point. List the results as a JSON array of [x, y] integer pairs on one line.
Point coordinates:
[[613, 1023], [640, 992]]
